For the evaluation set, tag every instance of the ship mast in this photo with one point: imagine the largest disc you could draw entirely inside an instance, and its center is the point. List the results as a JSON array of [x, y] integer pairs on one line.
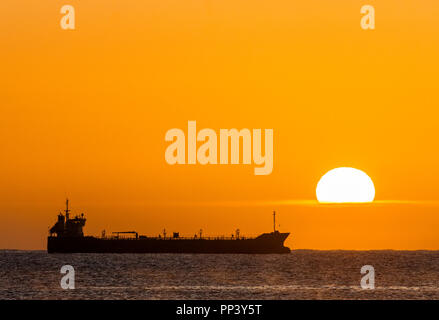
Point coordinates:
[[67, 209], [274, 221]]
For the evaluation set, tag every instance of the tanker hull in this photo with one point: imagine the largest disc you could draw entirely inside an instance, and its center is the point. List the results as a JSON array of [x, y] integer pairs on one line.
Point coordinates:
[[265, 243]]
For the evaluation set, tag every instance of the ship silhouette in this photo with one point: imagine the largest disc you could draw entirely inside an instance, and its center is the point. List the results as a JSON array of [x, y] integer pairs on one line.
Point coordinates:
[[66, 236]]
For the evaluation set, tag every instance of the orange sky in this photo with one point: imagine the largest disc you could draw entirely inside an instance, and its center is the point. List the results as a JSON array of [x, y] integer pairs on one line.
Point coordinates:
[[84, 114]]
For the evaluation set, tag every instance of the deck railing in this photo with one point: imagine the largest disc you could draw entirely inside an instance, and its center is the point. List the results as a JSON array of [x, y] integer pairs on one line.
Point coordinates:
[[180, 238]]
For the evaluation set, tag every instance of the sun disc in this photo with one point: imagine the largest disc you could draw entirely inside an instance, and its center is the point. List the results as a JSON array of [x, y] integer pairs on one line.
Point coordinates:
[[345, 185]]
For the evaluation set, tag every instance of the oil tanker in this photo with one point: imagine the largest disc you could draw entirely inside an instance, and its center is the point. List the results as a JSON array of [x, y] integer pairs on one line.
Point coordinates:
[[67, 236]]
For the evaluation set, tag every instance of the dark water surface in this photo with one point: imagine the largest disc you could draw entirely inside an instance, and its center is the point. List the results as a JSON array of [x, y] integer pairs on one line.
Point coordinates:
[[303, 274]]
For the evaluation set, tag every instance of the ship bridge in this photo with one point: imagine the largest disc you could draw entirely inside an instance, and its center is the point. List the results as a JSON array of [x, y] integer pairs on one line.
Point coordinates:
[[66, 226]]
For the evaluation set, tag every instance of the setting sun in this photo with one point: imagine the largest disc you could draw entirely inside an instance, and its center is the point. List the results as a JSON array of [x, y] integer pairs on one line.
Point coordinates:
[[345, 185]]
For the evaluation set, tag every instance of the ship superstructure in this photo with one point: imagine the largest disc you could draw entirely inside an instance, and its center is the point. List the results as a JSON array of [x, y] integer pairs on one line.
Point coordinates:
[[66, 227]]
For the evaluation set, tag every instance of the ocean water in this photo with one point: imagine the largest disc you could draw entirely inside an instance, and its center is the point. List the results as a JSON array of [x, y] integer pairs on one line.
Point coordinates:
[[303, 274]]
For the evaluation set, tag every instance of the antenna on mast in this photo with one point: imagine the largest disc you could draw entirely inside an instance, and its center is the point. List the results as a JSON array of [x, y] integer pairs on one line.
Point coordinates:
[[67, 209], [274, 221]]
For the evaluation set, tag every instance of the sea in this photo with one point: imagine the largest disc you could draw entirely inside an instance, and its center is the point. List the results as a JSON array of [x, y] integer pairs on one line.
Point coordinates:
[[303, 274]]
